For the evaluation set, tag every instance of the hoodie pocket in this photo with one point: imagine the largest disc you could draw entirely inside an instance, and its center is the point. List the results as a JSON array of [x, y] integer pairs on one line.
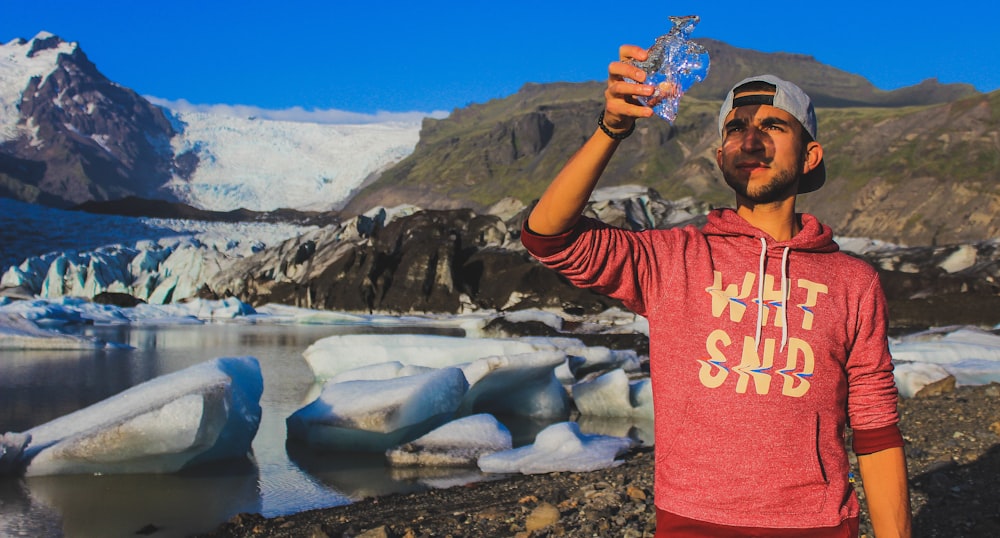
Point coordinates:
[[751, 462]]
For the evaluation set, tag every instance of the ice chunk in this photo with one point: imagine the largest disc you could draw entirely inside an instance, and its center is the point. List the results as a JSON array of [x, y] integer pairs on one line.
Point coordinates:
[[459, 443], [559, 447], [913, 376], [204, 413], [674, 64], [373, 416], [329, 356], [613, 395], [376, 372], [971, 355], [19, 333], [524, 385]]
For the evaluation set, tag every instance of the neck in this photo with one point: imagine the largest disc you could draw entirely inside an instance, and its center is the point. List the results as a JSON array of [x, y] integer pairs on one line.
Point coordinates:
[[776, 219]]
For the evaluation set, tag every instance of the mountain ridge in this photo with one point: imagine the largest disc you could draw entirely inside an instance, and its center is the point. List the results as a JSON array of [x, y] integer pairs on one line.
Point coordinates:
[[883, 158], [916, 165], [69, 135]]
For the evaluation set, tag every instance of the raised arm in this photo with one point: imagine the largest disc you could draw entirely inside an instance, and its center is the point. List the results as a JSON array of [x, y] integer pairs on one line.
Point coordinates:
[[562, 203]]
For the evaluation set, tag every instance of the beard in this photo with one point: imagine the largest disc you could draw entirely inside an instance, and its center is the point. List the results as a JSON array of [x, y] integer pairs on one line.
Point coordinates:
[[782, 185]]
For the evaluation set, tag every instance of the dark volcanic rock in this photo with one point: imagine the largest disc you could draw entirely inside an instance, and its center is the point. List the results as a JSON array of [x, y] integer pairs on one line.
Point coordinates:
[[431, 261]]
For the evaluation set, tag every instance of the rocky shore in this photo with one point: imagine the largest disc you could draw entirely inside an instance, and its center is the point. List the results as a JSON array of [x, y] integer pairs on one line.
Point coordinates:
[[952, 442]]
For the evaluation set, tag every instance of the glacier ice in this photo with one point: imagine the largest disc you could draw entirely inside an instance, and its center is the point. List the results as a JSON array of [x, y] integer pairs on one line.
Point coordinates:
[[373, 416], [205, 413], [913, 376], [614, 395], [559, 447], [458, 443], [18, 332], [673, 65], [329, 356], [971, 355], [523, 384]]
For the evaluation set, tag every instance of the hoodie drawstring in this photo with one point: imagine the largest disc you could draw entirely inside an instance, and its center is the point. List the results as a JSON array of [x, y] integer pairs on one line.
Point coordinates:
[[760, 292], [760, 295], [784, 298]]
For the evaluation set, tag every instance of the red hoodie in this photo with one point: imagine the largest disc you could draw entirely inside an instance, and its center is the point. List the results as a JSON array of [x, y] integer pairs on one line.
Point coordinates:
[[751, 397]]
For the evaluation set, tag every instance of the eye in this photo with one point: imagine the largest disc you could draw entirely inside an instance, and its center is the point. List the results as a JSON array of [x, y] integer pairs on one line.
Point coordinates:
[[773, 126]]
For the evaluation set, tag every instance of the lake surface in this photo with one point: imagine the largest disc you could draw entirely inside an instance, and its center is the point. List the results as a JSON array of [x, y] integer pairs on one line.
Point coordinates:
[[38, 386]]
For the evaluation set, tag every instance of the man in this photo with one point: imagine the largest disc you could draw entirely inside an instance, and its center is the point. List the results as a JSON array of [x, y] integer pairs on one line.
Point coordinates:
[[765, 340]]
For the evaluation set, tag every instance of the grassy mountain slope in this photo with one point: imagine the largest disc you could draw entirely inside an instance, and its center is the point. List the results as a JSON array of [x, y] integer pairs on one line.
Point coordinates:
[[917, 165]]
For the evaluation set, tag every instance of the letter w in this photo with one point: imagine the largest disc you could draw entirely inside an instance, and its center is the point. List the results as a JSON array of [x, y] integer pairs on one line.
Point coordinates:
[[731, 296]]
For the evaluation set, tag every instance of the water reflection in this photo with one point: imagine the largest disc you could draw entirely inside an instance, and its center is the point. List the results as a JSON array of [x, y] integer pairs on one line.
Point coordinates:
[[360, 475], [79, 378], [121, 505], [39, 386]]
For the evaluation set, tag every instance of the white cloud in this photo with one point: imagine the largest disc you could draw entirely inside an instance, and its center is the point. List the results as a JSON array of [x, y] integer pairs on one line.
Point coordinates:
[[296, 114]]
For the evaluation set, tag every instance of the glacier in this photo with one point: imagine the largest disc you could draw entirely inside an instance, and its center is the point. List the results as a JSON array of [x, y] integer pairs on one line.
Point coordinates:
[[265, 165], [205, 413], [234, 161], [155, 260]]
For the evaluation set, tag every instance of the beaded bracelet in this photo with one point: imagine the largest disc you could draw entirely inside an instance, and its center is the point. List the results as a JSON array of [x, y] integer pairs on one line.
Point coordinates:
[[612, 134]]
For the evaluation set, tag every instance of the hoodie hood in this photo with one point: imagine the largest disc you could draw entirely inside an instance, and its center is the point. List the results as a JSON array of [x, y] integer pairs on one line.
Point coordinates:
[[814, 236]]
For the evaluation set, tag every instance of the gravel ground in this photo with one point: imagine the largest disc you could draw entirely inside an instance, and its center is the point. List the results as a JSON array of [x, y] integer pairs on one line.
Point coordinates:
[[953, 447]]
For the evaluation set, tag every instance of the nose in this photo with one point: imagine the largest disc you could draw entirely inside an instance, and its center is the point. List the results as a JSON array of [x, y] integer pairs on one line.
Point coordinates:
[[752, 140]]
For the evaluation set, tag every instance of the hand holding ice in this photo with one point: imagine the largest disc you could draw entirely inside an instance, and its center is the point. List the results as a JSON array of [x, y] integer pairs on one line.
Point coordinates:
[[674, 64]]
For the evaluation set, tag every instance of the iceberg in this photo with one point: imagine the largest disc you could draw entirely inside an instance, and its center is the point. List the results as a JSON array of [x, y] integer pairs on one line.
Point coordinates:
[[458, 443], [559, 447], [523, 384], [614, 395], [329, 356], [205, 413], [16, 332], [375, 415]]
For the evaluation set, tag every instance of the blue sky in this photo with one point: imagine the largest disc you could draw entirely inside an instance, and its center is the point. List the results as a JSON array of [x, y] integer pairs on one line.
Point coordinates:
[[366, 56]]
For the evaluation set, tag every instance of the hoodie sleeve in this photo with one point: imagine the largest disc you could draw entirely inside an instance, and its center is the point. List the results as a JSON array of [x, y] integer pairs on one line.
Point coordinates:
[[608, 260], [872, 393]]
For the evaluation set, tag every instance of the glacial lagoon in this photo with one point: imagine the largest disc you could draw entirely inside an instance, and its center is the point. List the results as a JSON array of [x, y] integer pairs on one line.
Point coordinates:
[[38, 386]]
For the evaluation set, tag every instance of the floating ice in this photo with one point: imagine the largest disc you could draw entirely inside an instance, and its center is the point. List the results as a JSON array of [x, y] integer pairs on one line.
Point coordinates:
[[674, 64], [559, 447], [329, 356], [16, 332], [524, 385], [613, 395], [459, 443], [373, 416], [204, 413]]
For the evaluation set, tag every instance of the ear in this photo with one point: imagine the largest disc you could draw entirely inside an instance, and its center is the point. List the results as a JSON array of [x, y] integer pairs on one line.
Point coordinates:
[[718, 157], [814, 155]]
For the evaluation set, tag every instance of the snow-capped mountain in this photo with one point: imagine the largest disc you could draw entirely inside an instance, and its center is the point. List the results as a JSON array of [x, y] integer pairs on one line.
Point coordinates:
[[70, 135]]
